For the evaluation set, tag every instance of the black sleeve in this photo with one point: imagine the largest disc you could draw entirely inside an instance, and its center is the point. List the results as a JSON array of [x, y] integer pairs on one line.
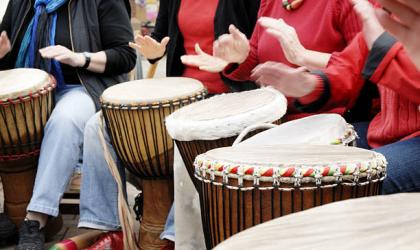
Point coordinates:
[[379, 50], [6, 21], [116, 33], [252, 8], [162, 21]]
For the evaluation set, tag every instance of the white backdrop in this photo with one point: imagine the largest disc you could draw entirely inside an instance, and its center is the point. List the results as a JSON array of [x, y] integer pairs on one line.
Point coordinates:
[[3, 6]]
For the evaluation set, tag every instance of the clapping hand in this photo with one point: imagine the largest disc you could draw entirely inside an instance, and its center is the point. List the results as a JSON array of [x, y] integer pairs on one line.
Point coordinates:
[[149, 47]]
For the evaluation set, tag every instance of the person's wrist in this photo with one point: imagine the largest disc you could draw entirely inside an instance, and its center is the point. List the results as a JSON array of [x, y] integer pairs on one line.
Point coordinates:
[[309, 82], [80, 60], [86, 60]]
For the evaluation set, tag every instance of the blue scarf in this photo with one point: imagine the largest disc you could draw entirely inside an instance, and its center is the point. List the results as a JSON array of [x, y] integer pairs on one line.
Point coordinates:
[[41, 34]]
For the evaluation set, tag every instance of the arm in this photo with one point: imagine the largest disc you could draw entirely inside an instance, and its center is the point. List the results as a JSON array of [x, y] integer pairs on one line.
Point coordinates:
[[116, 57], [389, 65], [242, 72]]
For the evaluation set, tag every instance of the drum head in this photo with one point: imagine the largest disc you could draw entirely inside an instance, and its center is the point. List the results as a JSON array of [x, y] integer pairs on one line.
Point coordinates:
[[21, 82], [291, 160], [322, 129], [226, 115], [152, 91]]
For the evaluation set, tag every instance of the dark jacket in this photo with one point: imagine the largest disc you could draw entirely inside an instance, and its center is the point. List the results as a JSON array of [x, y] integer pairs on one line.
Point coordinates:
[[85, 25], [242, 13]]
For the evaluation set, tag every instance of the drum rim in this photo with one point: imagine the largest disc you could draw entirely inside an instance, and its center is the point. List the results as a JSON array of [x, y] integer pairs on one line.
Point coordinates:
[[200, 89], [189, 130], [207, 169], [180, 101], [47, 88]]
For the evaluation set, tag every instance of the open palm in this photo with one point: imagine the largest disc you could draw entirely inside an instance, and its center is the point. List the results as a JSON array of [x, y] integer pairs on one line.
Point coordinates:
[[5, 46], [149, 47], [233, 47], [204, 61]]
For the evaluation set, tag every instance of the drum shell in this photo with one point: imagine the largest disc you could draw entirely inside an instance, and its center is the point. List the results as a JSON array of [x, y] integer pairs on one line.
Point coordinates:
[[189, 150], [227, 211], [140, 139], [22, 122]]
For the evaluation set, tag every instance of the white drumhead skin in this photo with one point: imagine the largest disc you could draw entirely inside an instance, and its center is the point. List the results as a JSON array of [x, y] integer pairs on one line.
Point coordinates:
[[21, 82], [226, 115], [320, 129], [148, 91], [289, 155], [384, 222]]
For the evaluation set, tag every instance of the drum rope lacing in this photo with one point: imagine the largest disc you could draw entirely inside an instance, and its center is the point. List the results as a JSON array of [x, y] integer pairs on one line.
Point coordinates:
[[159, 105], [203, 170], [15, 104]]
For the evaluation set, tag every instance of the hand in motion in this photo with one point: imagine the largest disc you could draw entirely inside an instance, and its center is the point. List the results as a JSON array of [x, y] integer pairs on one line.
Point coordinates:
[[290, 81], [5, 46], [204, 61], [372, 29], [403, 23], [149, 47], [232, 47], [293, 50], [63, 55]]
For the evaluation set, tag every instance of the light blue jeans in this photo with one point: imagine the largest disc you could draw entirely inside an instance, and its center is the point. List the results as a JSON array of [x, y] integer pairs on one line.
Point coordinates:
[[61, 149], [99, 191]]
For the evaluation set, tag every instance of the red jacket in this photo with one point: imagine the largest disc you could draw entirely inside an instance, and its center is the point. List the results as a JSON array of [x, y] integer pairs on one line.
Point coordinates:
[[322, 25], [398, 80]]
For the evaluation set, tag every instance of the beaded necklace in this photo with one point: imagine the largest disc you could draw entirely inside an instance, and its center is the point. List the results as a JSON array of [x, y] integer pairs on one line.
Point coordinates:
[[294, 5]]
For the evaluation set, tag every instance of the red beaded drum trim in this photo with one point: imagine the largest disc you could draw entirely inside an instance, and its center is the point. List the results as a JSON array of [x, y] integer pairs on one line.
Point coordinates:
[[326, 175]]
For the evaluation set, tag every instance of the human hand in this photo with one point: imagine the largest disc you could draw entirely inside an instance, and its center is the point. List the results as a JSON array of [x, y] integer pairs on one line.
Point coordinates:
[[204, 61], [293, 49], [5, 46], [290, 81], [149, 47], [232, 47], [63, 55], [372, 29], [403, 23]]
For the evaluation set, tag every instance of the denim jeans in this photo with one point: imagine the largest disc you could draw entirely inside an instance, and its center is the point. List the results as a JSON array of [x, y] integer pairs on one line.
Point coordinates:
[[169, 231], [61, 148], [403, 172], [99, 192]]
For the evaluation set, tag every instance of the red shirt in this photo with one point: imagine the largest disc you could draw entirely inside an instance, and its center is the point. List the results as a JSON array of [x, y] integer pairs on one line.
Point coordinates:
[[322, 25], [399, 85], [196, 23]]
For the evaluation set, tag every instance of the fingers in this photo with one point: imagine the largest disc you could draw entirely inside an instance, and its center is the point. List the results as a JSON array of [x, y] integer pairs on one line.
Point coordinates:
[[198, 50], [192, 60], [164, 41], [363, 8], [134, 45], [236, 34], [52, 51]]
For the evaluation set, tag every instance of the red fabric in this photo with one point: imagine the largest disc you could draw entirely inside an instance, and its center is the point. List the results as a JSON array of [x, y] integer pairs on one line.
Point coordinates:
[[196, 23], [111, 240], [322, 25], [399, 86]]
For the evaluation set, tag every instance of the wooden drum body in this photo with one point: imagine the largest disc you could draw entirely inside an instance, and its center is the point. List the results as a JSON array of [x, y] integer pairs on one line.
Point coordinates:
[[217, 121], [245, 186], [135, 116], [26, 102]]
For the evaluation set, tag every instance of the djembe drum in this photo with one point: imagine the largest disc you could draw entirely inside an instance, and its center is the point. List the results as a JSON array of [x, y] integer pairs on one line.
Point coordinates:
[[381, 222], [135, 113], [26, 102], [215, 122], [245, 186], [322, 129]]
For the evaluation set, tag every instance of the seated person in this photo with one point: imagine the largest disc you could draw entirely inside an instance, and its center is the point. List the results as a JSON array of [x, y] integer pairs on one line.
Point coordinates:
[[374, 57]]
